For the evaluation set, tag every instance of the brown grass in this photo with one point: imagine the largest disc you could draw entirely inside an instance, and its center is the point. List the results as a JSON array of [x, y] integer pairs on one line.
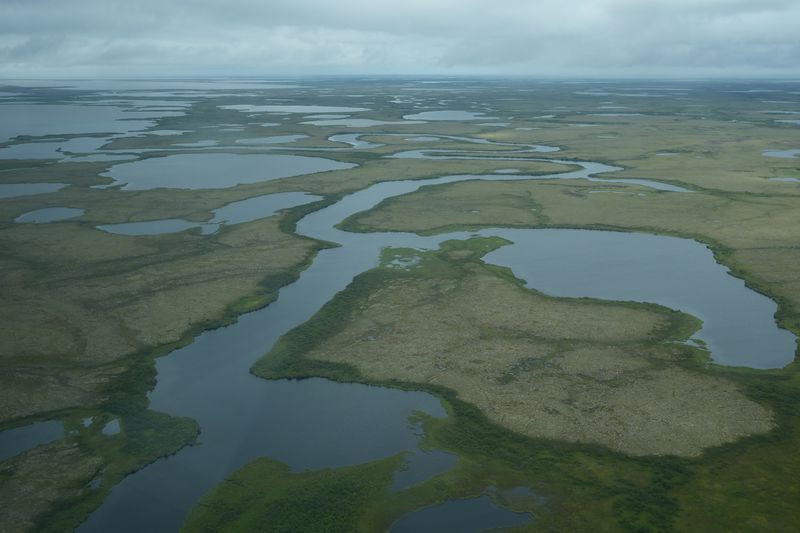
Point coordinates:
[[574, 370]]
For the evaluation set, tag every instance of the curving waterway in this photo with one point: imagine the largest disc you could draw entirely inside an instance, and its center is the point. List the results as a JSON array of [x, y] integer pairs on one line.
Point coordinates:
[[316, 423]]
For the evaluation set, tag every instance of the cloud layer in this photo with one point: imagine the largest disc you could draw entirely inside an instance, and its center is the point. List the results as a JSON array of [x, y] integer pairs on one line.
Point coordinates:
[[276, 37]]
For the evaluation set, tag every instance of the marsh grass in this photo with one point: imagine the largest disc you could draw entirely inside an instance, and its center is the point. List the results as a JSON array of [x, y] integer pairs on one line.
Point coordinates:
[[589, 488], [749, 484]]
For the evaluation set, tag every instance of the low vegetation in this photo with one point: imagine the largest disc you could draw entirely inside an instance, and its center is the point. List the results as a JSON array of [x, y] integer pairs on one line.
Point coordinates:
[[84, 313], [265, 496], [656, 400], [763, 250], [566, 369]]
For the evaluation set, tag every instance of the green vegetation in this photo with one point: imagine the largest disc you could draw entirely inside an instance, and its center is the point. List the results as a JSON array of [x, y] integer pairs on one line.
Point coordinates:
[[82, 333], [569, 369], [265, 496], [589, 488], [83, 313], [79, 471], [763, 251]]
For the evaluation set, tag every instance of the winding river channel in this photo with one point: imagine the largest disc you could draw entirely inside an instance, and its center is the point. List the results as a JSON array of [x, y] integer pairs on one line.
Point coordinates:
[[316, 423]]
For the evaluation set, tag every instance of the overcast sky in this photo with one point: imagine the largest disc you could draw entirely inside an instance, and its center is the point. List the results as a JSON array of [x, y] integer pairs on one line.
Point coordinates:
[[41, 38]]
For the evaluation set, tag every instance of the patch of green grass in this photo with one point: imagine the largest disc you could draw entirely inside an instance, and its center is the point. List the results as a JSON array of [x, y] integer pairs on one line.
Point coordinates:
[[145, 436], [285, 359], [266, 496], [716, 136]]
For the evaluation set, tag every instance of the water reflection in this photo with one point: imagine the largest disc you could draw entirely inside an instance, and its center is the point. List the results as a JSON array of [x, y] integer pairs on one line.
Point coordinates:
[[215, 171]]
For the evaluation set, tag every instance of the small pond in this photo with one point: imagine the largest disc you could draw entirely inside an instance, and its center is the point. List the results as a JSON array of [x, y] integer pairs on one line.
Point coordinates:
[[358, 122], [788, 154], [49, 214], [446, 115], [353, 139], [293, 108], [157, 227], [215, 171], [275, 139]]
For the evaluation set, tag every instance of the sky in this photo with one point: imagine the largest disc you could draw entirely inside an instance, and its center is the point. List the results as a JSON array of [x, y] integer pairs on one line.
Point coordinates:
[[538, 38]]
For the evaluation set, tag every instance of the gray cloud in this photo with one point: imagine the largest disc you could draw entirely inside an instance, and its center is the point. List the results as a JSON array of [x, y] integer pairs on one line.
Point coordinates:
[[540, 37]]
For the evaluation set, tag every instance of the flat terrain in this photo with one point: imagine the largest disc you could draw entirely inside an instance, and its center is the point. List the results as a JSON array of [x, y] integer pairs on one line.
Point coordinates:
[[589, 402], [754, 233], [565, 369]]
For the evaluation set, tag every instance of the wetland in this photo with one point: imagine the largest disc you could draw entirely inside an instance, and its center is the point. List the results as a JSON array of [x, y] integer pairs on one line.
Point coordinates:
[[524, 351]]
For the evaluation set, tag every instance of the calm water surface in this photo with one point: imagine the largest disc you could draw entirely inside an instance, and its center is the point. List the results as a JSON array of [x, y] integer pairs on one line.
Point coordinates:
[[13, 190], [275, 139], [353, 139], [359, 122], [234, 213], [294, 108], [215, 171], [738, 323], [157, 227], [787, 154], [53, 150], [63, 119], [17, 440], [447, 115], [49, 214]]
